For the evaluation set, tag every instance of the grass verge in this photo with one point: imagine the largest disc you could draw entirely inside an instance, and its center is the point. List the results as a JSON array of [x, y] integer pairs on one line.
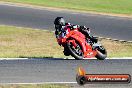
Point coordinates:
[[117, 49], [105, 6], [35, 86], [26, 42], [18, 42]]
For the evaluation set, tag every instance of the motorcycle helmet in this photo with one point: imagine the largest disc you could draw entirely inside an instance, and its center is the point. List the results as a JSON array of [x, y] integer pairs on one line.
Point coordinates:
[[59, 22]]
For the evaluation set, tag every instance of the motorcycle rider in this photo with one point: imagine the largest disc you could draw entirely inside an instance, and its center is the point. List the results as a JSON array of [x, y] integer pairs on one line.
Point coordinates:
[[61, 26]]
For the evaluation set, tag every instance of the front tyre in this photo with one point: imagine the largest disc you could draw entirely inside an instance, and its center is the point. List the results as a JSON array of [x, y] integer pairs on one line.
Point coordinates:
[[76, 52], [101, 53]]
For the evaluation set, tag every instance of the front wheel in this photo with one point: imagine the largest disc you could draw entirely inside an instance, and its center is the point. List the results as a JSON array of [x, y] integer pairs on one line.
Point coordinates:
[[101, 53], [76, 52]]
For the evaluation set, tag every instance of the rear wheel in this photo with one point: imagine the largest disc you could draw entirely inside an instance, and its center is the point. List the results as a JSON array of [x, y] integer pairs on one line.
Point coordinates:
[[101, 53], [76, 52]]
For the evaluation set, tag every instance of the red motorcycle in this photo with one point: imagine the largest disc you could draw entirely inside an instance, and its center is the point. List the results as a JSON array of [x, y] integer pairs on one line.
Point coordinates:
[[77, 45]]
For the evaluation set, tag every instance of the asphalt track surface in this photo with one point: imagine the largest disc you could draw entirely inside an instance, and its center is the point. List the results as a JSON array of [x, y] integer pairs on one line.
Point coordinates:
[[59, 70], [101, 25]]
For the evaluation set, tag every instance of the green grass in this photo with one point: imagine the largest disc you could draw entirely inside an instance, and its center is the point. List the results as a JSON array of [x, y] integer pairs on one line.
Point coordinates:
[[105, 6], [17, 42], [34, 86], [25, 42], [117, 49]]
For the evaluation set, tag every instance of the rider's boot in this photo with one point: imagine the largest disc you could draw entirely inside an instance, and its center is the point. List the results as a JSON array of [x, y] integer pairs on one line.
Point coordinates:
[[66, 53], [94, 39]]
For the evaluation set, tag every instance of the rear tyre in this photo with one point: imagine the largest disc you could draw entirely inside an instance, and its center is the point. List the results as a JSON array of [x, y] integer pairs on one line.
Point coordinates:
[[76, 52], [101, 53]]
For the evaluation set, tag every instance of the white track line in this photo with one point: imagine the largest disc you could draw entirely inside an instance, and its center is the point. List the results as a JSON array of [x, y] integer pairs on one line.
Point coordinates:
[[13, 58], [65, 58], [44, 83], [107, 58]]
